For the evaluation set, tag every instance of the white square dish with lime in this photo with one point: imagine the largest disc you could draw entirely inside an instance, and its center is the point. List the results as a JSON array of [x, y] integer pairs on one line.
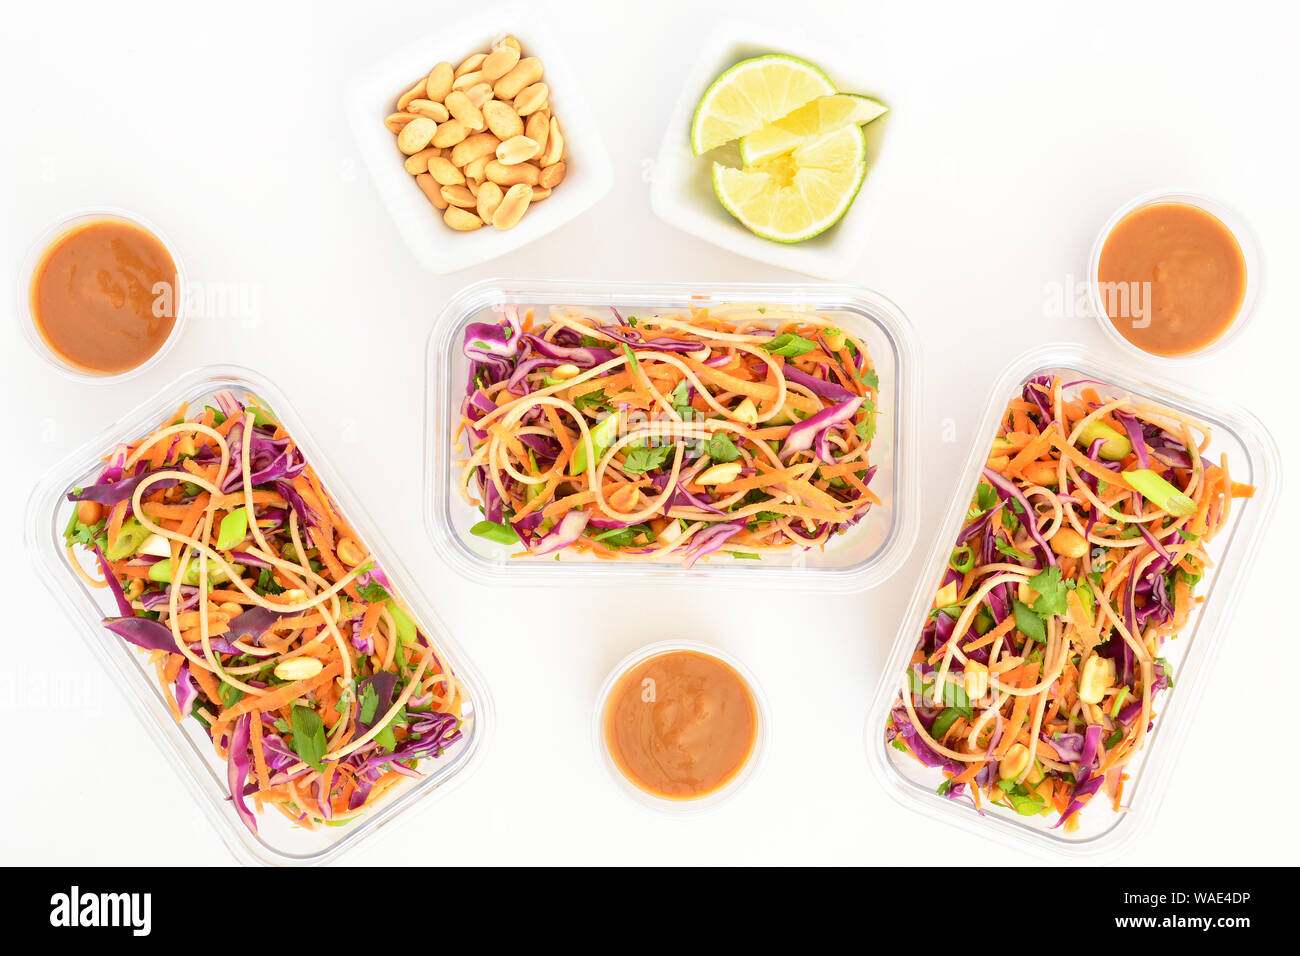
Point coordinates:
[[790, 151]]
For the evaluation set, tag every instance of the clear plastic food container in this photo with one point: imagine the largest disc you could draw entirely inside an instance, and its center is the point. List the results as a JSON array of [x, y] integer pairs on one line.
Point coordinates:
[[184, 744], [861, 558], [1254, 459]]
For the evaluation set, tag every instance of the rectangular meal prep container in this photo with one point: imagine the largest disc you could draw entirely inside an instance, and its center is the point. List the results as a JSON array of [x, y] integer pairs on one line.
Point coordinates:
[[1253, 458], [184, 744], [860, 559]]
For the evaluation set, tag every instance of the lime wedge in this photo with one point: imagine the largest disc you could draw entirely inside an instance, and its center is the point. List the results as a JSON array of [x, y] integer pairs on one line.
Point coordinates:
[[799, 195], [750, 95], [815, 118]]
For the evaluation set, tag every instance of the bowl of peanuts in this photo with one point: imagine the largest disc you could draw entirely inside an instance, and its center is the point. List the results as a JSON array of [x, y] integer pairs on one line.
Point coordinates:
[[478, 140]]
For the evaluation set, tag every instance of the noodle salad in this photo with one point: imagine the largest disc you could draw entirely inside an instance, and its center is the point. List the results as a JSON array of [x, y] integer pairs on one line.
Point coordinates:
[[666, 437], [267, 622], [1035, 678]]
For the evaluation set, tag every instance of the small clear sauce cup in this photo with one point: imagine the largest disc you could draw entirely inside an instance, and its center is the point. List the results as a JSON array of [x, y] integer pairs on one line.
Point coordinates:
[[42, 244], [1232, 221], [708, 801]]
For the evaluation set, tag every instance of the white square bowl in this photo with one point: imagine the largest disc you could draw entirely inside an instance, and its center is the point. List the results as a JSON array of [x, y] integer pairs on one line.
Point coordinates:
[[682, 192], [373, 96]]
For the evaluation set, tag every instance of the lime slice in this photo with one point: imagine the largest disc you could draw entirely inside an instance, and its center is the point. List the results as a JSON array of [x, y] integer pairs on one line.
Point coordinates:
[[799, 195], [815, 118], [750, 95]]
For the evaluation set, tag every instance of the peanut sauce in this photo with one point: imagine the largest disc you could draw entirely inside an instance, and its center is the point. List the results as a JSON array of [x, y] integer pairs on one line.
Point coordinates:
[[681, 724], [103, 296], [1172, 278]]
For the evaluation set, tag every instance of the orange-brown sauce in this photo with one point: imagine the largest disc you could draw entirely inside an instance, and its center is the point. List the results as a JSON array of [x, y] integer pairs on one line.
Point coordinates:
[[681, 724], [96, 296], [1172, 278]]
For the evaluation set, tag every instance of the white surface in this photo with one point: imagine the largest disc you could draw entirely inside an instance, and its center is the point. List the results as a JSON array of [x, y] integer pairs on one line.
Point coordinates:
[[1026, 132], [370, 97], [682, 193]]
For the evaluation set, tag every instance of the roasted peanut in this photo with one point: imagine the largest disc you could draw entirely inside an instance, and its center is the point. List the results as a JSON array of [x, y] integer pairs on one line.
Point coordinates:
[[471, 63], [504, 175], [438, 84], [1014, 762], [432, 189], [419, 162], [525, 73], [435, 111], [498, 63], [413, 93], [554, 151], [1068, 543], [461, 220], [476, 168], [552, 176], [517, 149], [532, 98], [459, 106], [396, 121], [472, 147], [625, 498], [480, 94], [746, 412], [719, 474], [538, 127], [416, 135], [445, 171], [489, 198], [467, 81], [349, 552], [298, 668], [449, 133], [480, 139], [513, 206], [1098, 674], [502, 120], [459, 196]]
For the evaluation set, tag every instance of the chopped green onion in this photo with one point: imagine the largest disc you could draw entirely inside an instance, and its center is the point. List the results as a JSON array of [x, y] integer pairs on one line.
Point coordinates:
[[1160, 492]]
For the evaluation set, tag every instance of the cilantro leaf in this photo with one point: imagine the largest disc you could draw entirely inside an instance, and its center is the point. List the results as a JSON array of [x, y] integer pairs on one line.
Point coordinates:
[[230, 696], [368, 704], [641, 459], [1051, 591], [387, 738], [308, 736], [721, 448], [1005, 549], [1028, 623]]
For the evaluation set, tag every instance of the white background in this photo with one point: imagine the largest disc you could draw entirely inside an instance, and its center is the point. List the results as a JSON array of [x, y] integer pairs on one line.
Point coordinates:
[[1028, 126]]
